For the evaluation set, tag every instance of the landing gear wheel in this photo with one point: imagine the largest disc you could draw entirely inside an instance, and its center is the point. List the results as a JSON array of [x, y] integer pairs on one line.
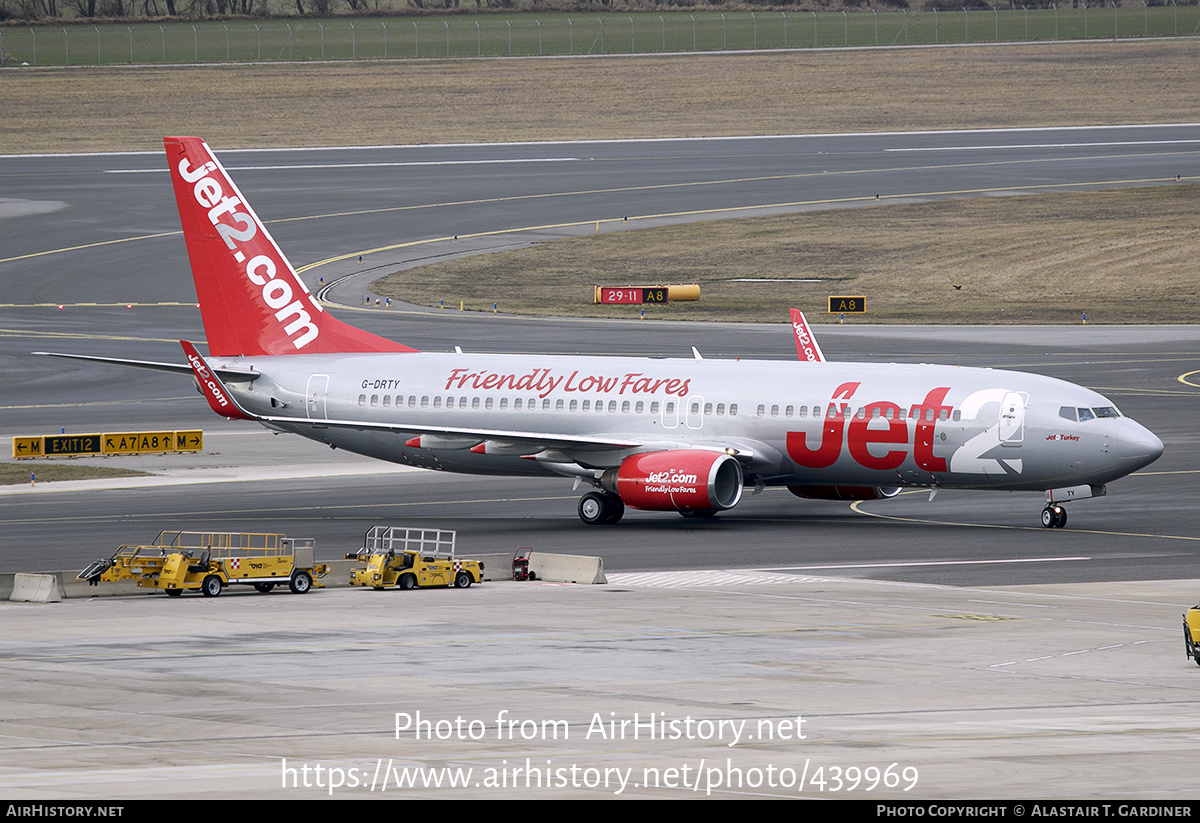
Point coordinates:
[[617, 509], [263, 587], [462, 580], [211, 586], [300, 583], [1054, 517], [408, 582], [594, 508]]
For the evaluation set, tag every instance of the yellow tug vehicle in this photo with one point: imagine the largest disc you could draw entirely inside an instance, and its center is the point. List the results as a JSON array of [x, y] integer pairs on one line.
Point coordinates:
[[411, 559], [1191, 631], [179, 561]]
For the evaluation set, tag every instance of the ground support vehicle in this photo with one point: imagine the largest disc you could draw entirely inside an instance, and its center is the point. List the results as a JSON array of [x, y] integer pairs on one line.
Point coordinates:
[[1191, 631], [410, 559], [520, 564], [179, 561]]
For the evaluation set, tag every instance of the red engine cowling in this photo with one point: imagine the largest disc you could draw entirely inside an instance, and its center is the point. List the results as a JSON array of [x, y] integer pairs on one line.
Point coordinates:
[[681, 480], [845, 492]]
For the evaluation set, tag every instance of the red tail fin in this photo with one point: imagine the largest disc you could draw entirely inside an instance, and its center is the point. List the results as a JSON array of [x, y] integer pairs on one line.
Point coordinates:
[[806, 344], [251, 299]]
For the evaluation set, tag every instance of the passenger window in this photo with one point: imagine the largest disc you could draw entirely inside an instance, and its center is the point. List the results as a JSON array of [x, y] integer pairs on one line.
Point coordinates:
[[625, 407], [503, 403], [720, 408], [732, 409], [474, 402], [612, 406], [587, 405], [517, 403], [654, 407], [762, 410], [639, 407], [362, 400], [558, 406], [775, 411], [574, 405]]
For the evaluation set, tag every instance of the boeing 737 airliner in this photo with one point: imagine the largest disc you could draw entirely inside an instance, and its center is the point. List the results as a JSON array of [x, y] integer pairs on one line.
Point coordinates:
[[684, 435]]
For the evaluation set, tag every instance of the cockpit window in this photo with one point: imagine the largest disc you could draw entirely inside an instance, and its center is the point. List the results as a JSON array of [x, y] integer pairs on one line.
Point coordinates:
[[1085, 415], [1106, 411], [1067, 413]]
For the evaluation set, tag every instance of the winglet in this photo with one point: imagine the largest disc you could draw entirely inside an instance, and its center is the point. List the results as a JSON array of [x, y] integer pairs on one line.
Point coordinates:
[[806, 344], [214, 391], [251, 299]]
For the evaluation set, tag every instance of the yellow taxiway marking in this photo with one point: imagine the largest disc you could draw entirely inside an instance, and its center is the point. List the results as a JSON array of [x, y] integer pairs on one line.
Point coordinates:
[[81, 336], [692, 184], [1183, 378], [856, 507], [628, 219], [347, 510], [98, 403]]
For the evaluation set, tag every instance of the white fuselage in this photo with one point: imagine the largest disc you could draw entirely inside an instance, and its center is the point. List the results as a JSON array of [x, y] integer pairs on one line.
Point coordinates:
[[790, 423]]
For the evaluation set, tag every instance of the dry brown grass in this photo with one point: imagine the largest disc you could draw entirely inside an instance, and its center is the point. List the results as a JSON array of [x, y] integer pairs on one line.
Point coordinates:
[[14, 473], [124, 108], [1124, 256]]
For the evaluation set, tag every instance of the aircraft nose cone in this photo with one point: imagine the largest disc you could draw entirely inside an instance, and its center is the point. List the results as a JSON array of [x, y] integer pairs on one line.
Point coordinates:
[[1137, 445]]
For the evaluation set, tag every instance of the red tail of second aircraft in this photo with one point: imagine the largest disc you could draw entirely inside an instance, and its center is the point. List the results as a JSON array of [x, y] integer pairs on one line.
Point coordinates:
[[251, 299]]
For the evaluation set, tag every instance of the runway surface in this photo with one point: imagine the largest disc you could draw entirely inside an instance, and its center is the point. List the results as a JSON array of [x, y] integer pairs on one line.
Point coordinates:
[[103, 229]]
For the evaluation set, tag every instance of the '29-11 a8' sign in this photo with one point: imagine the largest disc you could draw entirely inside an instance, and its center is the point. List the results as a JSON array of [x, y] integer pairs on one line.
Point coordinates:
[[632, 294]]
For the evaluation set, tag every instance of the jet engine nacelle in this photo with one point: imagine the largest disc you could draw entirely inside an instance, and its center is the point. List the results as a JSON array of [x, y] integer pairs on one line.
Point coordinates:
[[845, 492], [682, 480]]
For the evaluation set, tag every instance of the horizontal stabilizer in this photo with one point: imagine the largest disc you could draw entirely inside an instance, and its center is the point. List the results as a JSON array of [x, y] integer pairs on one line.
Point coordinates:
[[224, 373]]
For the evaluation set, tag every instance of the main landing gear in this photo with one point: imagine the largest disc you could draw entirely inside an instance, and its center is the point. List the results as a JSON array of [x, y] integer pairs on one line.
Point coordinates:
[[600, 507], [1054, 516]]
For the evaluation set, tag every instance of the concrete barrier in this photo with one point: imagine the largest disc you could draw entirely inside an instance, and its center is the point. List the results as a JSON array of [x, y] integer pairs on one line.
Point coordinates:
[[35, 588], [567, 568]]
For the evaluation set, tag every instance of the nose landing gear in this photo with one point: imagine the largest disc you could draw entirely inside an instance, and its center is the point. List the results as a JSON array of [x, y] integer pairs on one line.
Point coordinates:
[[1054, 516]]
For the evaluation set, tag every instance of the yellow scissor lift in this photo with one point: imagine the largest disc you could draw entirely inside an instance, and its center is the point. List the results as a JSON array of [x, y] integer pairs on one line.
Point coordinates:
[[179, 561]]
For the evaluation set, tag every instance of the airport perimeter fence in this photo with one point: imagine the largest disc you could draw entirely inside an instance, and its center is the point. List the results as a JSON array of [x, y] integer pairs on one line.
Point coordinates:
[[561, 34]]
